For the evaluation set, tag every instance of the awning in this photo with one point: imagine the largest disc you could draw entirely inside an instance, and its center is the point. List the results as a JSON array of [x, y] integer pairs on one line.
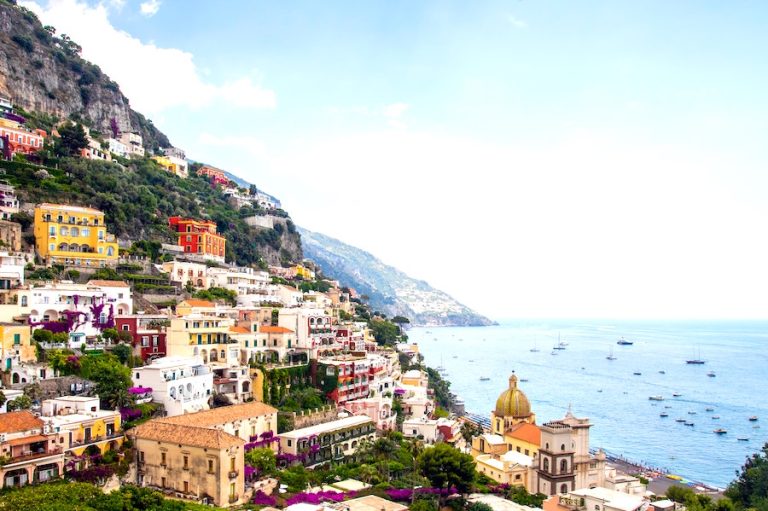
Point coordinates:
[[28, 440]]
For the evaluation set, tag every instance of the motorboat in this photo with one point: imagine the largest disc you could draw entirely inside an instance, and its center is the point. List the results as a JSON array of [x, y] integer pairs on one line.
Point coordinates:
[[676, 394], [624, 342], [711, 374], [709, 409], [663, 414], [679, 420], [637, 373], [689, 423], [656, 398], [743, 439], [753, 418], [715, 417], [484, 378], [720, 431]]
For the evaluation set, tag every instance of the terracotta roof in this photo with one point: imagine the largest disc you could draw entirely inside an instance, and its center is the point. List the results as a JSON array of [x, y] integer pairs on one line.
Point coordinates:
[[192, 302], [23, 420], [108, 283], [239, 330], [275, 329], [186, 435], [222, 415], [526, 432]]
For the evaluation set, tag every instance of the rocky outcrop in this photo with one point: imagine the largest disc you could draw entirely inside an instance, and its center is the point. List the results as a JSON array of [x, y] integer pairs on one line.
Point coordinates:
[[42, 72]]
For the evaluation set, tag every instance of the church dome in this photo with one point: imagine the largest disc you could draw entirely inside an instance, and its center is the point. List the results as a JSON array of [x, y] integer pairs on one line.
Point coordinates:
[[513, 402]]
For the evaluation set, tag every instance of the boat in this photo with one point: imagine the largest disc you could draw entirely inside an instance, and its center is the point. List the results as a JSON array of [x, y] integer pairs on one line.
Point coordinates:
[[674, 477], [720, 431], [753, 418], [484, 378], [709, 409], [610, 354], [656, 398], [523, 380], [558, 347], [679, 420], [534, 349], [743, 439], [662, 372], [624, 342], [696, 361], [553, 353], [663, 414], [667, 406], [599, 390], [471, 360], [676, 394], [688, 423], [455, 356], [637, 373], [711, 374], [691, 413], [715, 417]]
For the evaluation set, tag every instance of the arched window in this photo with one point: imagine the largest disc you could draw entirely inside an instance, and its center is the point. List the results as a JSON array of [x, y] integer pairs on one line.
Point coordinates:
[[564, 488], [23, 301], [563, 466], [546, 465], [562, 447]]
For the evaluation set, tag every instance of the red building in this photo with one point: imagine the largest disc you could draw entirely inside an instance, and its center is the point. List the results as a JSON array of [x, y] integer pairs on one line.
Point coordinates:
[[19, 139], [147, 334], [199, 237], [216, 176]]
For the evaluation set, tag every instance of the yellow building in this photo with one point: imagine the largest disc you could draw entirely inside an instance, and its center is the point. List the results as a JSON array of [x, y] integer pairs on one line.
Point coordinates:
[[191, 462], [172, 164], [15, 345], [73, 236], [82, 426]]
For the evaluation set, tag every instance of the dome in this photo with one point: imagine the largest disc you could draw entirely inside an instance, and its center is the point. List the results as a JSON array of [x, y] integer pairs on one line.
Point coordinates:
[[513, 402]]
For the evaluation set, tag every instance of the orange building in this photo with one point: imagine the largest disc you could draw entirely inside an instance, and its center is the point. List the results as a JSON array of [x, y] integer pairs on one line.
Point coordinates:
[[217, 175], [199, 237]]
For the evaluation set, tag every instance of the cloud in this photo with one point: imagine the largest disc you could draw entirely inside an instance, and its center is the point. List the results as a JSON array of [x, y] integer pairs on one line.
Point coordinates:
[[250, 144], [395, 110], [516, 22], [150, 7], [154, 79]]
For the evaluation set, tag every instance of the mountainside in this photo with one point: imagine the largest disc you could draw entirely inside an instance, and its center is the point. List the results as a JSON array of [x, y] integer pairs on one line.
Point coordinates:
[[43, 72], [389, 290]]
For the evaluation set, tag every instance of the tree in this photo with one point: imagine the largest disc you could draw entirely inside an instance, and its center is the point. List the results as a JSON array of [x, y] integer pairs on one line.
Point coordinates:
[[446, 467], [469, 430], [109, 334], [42, 335], [2, 399], [20, 403], [122, 352], [73, 139], [33, 391], [384, 332], [423, 505], [750, 488], [263, 459], [478, 506], [111, 377]]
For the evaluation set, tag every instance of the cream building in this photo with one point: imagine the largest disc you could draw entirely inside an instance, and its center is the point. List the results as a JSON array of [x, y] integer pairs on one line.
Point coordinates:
[[330, 441], [192, 462], [511, 468], [80, 424]]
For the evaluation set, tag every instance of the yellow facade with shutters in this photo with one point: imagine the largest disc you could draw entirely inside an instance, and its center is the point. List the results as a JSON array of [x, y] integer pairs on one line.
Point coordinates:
[[16, 345], [99, 435], [73, 236]]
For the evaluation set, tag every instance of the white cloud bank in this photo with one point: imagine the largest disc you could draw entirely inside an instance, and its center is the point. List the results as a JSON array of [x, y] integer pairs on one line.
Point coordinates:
[[153, 78], [150, 7]]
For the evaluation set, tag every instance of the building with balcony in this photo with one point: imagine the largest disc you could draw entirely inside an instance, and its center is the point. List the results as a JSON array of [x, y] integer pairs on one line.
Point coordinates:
[[9, 203], [253, 422], [344, 377], [19, 139], [512, 468], [31, 454], [147, 333], [15, 346], [118, 148], [190, 462], [10, 235], [134, 143], [176, 166], [81, 310], [199, 238], [73, 236], [11, 271], [216, 176], [329, 441], [602, 499], [181, 385], [79, 424], [205, 336], [314, 329], [252, 286], [185, 272]]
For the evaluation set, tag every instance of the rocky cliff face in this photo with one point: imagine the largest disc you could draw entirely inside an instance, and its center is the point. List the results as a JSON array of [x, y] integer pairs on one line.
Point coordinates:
[[43, 72], [389, 290]]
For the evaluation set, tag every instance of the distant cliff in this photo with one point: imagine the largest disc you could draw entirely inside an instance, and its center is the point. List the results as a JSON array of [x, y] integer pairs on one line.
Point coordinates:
[[43, 72], [389, 290]]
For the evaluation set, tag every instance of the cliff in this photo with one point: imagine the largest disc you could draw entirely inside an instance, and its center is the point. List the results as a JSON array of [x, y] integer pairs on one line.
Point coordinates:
[[43, 72], [389, 290]]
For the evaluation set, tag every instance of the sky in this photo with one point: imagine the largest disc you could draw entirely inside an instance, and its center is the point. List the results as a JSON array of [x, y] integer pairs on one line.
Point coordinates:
[[592, 159]]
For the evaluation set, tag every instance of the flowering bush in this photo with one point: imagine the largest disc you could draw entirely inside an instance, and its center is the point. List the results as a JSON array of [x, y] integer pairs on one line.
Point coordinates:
[[95, 474], [315, 498], [130, 414], [262, 499], [405, 494], [249, 472], [140, 390]]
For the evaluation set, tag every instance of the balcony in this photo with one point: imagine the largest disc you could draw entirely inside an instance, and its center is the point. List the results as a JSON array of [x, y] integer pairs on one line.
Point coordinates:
[[233, 474], [96, 439], [30, 455]]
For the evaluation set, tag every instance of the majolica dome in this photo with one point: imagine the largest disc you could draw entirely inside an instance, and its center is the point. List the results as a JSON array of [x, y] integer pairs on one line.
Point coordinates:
[[513, 402]]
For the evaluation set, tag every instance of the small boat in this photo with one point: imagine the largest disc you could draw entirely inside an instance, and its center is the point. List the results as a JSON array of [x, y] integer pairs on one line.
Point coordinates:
[[696, 361], [667, 406], [679, 420], [715, 417], [663, 414], [691, 413], [471, 360], [656, 398], [711, 374], [743, 439], [624, 342], [674, 477], [689, 423], [534, 350], [553, 353], [523, 380], [662, 372], [709, 409], [753, 418], [637, 373], [676, 394], [610, 355], [558, 347], [484, 378], [455, 356], [720, 431], [599, 390]]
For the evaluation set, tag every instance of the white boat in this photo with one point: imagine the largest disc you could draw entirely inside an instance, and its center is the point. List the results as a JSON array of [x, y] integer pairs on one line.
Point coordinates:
[[711, 374], [676, 394], [624, 342], [610, 354], [656, 398], [484, 378]]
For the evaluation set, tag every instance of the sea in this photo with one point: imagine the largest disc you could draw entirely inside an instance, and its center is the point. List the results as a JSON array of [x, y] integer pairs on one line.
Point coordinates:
[[610, 393]]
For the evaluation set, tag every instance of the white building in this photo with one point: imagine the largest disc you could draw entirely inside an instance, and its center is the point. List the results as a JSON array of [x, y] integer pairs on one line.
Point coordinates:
[[11, 271], [9, 203], [252, 286], [187, 271], [79, 421], [118, 148], [181, 385], [602, 499], [333, 440], [134, 143]]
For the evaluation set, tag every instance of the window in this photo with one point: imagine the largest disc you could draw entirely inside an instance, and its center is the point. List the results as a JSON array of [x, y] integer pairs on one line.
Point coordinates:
[[564, 488], [545, 465], [232, 463], [144, 341], [289, 443], [141, 456], [162, 460], [16, 338], [563, 466], [125, 328], [186, 462], [186, 486], [562, 447], [210, 466]]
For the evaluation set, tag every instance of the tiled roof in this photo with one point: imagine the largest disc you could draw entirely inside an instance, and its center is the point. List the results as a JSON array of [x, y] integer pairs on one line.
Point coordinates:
[[108, 283], [186, 435], [275, 329], [526, 432], [222, 415], [238, 330], [192, 302], [23, 420]]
